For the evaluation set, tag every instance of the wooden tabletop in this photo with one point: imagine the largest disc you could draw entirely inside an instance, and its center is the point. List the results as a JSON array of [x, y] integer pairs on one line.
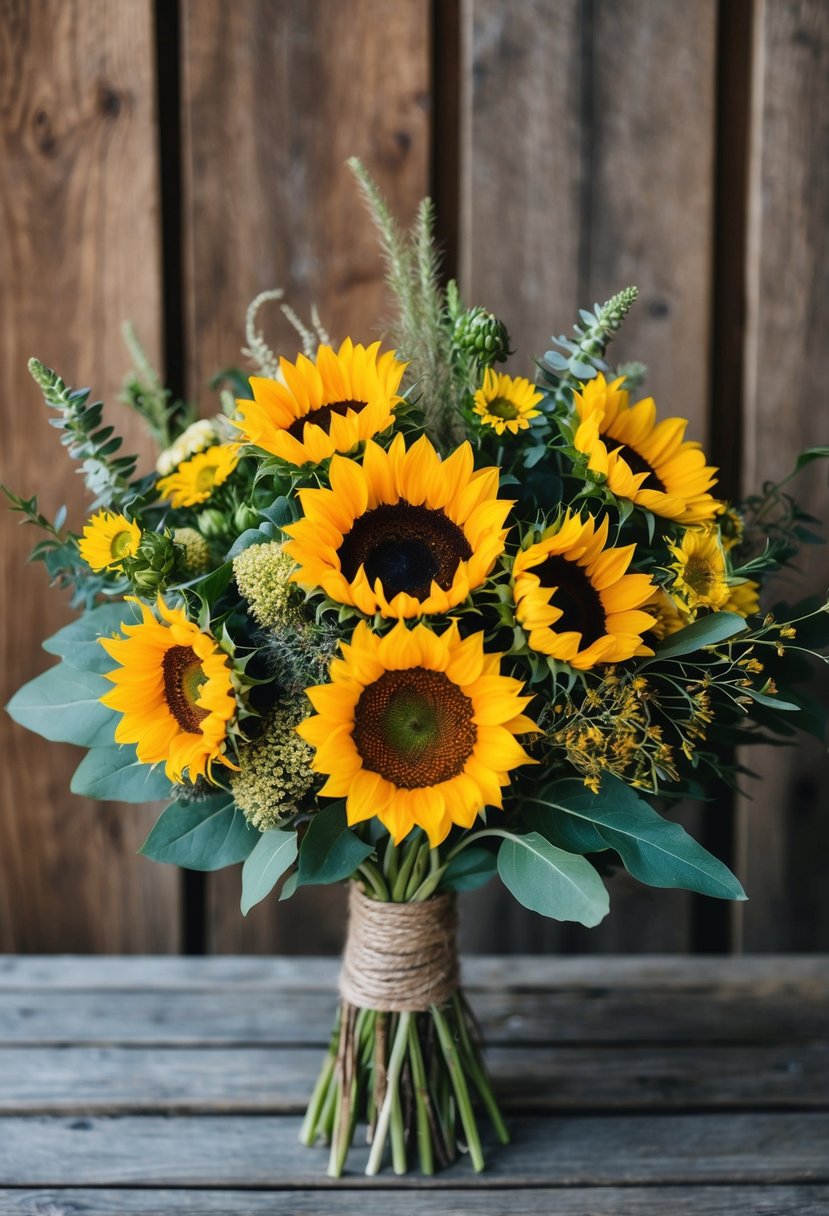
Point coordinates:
[[635, 1087]]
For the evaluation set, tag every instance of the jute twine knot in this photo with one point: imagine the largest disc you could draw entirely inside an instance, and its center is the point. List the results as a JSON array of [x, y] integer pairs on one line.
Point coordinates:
[[399, 957]]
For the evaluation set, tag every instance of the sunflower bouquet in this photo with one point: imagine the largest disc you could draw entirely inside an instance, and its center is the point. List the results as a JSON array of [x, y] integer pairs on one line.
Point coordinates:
[[399, 618]]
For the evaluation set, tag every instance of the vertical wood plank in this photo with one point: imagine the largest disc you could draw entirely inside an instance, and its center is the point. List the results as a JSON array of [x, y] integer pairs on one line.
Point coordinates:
[[784, 830], [588, 164], [79, 252], [276, 95]]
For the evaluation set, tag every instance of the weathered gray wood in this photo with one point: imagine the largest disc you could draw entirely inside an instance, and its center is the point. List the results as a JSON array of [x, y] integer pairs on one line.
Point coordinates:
[[540, 1201], [773, 1012], [803, 980], [216, 1151], [784, 829], [109, 1080]]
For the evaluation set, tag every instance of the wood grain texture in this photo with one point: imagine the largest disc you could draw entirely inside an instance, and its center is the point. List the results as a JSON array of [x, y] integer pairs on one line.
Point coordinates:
[[261, 1150], [523, 1001], [278, 1080], [270, 202], [541, 1201], [784, 829], [587, 165], [79, 251]]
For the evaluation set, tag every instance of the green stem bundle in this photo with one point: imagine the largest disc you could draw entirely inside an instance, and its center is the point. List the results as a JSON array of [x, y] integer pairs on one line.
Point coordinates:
[[413, 1078]]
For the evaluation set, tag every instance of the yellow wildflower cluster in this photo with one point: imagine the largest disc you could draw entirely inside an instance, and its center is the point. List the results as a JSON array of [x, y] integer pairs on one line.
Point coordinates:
[[612, 732]]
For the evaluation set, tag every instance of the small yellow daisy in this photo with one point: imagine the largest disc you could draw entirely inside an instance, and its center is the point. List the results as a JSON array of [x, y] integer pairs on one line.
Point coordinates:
[[195, 480], [107, 539], [506, 403], [700, 579]]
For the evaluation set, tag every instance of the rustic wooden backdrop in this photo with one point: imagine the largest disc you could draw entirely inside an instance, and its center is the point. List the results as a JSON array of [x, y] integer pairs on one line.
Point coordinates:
[[165, 162]]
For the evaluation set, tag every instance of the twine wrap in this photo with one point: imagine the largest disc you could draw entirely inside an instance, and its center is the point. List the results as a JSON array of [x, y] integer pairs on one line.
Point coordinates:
[[399, 958]]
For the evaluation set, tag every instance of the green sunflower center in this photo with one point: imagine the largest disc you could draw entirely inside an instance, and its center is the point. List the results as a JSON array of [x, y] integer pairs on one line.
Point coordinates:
[[407, 548], [322, 415], [502, 407], [121, 544], [638, 464], [183, 677], [414, 728], [206, 478], [575, 597]]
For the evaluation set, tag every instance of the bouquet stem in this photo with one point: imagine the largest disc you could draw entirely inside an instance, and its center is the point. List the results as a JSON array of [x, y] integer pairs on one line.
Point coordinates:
[[413, 1078], [412, 1073]]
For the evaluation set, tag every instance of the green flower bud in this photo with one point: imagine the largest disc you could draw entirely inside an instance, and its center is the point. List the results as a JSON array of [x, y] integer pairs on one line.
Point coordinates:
[[261, 573], [246, 516], [148, 568], [275, 768], [194, 555], [212, 523], [481, 336]]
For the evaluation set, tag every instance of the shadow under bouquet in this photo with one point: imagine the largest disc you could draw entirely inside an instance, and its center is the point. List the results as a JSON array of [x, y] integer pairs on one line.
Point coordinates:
[[398, 618]]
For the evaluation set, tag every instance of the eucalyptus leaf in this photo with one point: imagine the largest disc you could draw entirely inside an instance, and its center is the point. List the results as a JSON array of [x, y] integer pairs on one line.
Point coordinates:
[[275, 852], [263, 535], [63, 705], [78, 643], [807, 456], [707, 631], [472, 868], [204, 835], [280, 512], [330, 851], [115, 774], [550, 881], [652, 849]]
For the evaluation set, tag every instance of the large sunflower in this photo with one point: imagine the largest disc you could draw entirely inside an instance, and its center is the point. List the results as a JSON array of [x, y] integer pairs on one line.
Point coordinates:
[[174, 690], [575, 599], [330, 405], [107, 539], [195, 480], [417, 728], [402, 534], [506, 403], [646, 461]]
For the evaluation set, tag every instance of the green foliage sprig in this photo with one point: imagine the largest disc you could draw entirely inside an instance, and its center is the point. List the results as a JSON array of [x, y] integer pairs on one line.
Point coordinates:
[[107, 476], [144, 393], [581, 357]]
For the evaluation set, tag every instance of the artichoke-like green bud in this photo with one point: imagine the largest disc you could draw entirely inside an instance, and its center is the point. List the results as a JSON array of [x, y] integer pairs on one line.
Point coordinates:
[[481, 336], [213, 523], [194, 551], [148, 568], [245, 516], [275, 768], [261, 573]]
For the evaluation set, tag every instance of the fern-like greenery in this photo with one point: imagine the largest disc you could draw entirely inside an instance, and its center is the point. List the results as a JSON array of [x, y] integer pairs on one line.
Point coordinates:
[[144, 393]]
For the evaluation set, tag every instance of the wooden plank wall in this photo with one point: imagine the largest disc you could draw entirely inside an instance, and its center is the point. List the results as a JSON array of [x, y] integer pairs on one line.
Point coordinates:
[[168, 162]]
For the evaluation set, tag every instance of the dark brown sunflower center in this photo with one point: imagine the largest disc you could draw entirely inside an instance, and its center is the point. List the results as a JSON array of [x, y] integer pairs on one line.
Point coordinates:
[[575, 597], [638, 464], [183, 677], [406, 547], [414, 727], [321, 416]]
